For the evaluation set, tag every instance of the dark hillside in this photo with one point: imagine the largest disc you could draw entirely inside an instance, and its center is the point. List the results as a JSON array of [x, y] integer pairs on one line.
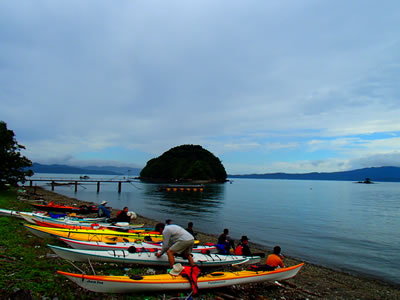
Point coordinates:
[[63, 169], [184, 163], [375, 174]]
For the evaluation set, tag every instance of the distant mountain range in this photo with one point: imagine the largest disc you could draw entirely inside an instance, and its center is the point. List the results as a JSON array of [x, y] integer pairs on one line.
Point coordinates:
[[391, 174], [64, 169]]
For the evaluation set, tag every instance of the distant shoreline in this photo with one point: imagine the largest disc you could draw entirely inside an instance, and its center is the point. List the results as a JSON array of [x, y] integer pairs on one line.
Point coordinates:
[[376, 174]]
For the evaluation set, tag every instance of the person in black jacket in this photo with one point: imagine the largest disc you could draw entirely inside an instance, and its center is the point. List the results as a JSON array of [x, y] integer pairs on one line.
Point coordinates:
[[190, 229], [122, 216]]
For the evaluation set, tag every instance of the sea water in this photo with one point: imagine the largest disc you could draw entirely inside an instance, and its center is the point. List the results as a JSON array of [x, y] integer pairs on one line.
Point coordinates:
[[339, 224]]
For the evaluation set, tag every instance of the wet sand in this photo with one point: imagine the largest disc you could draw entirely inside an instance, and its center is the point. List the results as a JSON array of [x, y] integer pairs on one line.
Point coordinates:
[[313, 281]]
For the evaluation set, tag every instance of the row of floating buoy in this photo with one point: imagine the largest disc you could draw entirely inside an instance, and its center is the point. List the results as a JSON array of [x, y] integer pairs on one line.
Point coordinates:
[[183, 189]]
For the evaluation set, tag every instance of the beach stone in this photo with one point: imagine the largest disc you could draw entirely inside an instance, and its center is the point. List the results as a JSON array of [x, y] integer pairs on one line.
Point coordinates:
[[21, 294]]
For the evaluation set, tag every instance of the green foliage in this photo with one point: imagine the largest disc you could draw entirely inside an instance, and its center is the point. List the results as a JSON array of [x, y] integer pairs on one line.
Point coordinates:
[[185, 163], [12, 163]]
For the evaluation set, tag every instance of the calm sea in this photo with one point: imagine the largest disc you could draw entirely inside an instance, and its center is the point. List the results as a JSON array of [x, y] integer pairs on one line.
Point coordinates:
[[339, 224]]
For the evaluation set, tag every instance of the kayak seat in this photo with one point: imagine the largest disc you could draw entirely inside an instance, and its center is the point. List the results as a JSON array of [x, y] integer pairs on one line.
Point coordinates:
[[136, 277], [215, 274], [181, 255], [121, 229], [261, 268], [132, 249]]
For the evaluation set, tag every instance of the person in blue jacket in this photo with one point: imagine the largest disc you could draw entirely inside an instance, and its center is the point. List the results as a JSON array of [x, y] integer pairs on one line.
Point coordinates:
[[103, 211], [225, 243]]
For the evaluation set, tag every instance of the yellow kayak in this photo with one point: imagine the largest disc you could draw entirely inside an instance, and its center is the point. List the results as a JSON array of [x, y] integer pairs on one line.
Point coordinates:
[[101, 235]]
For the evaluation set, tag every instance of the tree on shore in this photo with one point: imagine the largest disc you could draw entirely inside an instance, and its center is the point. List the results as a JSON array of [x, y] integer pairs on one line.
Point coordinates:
[[12, 164], [185, 163]]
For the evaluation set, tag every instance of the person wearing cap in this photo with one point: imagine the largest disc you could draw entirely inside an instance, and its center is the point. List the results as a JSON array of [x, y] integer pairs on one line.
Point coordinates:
[[122, 216], [176, 240], [275, 259], [243, 247], [103, 211]]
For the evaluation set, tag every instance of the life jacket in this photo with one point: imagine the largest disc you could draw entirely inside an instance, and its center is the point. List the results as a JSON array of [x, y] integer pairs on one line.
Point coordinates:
[[192, 273], [239, 250]]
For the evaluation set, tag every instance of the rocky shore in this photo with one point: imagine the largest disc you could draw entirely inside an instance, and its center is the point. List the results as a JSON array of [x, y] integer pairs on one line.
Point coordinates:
[[313, 282]]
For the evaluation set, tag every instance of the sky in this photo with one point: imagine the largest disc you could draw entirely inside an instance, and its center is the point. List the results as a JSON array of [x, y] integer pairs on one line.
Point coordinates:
[[267, 86]]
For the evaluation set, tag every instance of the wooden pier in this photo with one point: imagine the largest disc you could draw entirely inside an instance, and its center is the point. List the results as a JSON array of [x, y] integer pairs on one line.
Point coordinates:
[[75, 182]]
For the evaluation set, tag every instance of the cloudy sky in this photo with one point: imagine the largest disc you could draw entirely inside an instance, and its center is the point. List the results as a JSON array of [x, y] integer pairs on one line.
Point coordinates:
[[267, 86]]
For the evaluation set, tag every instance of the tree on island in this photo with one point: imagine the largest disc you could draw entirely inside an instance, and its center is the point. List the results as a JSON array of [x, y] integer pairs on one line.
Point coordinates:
[[367, 180], [12, 164], [185, 163]]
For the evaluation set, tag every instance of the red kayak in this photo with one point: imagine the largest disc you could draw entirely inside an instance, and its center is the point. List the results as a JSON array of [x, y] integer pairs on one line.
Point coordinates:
[[51, 206]]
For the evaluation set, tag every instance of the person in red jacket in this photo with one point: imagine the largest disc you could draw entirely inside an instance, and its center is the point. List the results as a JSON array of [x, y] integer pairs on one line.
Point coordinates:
[[243, 247], [275, 259]]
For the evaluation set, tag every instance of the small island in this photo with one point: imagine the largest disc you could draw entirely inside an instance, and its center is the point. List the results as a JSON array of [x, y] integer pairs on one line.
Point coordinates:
[[367, 181], [185, 164]]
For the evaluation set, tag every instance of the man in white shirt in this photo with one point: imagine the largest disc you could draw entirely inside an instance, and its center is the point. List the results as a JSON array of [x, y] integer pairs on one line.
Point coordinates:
[[176, 240]]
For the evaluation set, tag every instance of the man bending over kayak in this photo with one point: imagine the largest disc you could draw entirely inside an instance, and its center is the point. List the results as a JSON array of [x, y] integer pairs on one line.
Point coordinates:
[[176, 240]]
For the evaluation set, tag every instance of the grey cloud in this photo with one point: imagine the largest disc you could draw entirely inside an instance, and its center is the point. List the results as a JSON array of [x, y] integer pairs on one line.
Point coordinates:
[[377, 160], [155, 74]]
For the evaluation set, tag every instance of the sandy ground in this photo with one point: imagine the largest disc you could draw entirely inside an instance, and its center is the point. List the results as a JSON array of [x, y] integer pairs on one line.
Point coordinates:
[[313, 282]]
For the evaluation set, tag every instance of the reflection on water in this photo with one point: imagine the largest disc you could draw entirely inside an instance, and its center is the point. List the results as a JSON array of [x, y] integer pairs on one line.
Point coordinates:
[[187, 205]]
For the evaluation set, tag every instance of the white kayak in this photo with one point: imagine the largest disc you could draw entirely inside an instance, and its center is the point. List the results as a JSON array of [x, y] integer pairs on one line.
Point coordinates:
[[167, 282], [33, 217], [9, 213], [124, 245], [18, 214], [150, 258]]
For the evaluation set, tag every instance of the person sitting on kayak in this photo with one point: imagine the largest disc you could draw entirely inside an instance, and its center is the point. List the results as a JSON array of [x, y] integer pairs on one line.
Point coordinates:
[[176, 240], [243, 247], [122, 216], [225, 242], [103, 211], [275, 259]]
